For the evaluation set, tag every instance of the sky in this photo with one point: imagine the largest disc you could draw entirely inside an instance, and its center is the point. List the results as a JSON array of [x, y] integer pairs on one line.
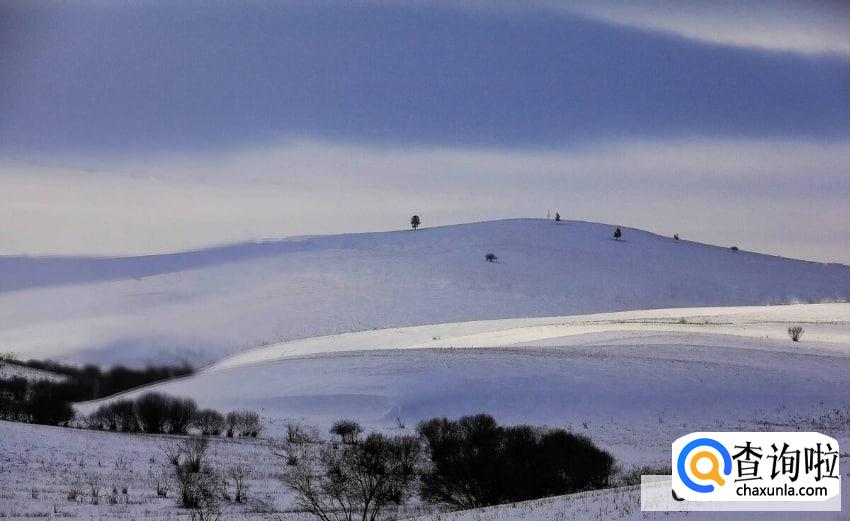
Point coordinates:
[[151, 126]]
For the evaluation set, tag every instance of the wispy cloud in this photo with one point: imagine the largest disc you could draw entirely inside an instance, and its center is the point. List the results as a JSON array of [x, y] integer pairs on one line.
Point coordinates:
[[773, 196], [802, 26]]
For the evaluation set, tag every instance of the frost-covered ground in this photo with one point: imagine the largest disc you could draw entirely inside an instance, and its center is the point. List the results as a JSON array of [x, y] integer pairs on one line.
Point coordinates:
[[200, 306], [396, 327], [41, 467], [13, 370], [631, 381]]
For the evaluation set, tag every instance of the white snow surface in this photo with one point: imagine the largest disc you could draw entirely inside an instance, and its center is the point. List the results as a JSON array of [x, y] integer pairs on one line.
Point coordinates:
[[13, 370], [200, 306], [634, 381]]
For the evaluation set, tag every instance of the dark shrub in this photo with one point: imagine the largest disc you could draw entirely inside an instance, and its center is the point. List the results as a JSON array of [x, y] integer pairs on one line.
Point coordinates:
[[46, 407], [125, 413], [209, 422], [243, 423], [153, 412], [476, 462], [360, 479], [347, 430], [180, 414], [490, 257], [795, 333]]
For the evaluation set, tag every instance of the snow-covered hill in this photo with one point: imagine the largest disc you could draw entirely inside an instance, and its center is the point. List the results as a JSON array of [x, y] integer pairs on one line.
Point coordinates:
[[199, 306], [634, 381]]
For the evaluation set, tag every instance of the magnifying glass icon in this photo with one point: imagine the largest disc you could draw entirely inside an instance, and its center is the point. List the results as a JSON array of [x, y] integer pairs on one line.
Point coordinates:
[[713, 473]]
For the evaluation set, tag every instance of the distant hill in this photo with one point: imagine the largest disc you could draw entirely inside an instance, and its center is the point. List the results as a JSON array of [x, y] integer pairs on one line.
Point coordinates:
[[198, 306]]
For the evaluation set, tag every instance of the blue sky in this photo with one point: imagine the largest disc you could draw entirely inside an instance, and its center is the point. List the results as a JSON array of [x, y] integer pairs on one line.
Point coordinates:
[[155, 126]]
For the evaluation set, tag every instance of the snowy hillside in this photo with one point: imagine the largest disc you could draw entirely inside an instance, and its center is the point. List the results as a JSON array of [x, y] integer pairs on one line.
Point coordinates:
[[199, 306], [634, 381], [13, 370]]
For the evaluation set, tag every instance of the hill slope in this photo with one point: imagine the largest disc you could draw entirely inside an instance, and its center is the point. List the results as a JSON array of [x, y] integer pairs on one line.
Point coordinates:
[[633, 380], [201, 305]]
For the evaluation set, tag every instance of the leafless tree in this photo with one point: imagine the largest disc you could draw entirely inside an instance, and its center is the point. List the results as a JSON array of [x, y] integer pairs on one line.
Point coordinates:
[[347, 430], [340, 482], [795, 333]]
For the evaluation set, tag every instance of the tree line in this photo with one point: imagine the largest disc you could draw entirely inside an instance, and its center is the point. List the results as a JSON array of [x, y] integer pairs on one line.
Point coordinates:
[[49, 401], [158, 413]]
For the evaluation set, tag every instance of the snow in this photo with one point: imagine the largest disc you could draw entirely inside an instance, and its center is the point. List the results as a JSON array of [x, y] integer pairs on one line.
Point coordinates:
[[637, 382], [825, 330], [203, 305], [620, 503], [13, 370], [632, 342]]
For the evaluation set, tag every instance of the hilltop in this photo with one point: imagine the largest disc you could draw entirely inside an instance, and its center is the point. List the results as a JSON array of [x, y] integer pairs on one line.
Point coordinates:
[[201, 305]]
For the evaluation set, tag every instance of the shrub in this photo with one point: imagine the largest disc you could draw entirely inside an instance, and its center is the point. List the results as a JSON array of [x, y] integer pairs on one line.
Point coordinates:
[[618, 233], [209, 422], [153, 412], [46, 408], [795, 333], [734, 249], [490, 257], [243, 423], [475, 462], [357, 481], [125, 413], [347, 430], [180, 414], [199, 484]]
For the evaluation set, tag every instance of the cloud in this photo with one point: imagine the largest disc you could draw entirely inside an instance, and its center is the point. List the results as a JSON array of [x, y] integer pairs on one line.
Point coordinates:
[[800, 26], [103, 77], [779, 197]]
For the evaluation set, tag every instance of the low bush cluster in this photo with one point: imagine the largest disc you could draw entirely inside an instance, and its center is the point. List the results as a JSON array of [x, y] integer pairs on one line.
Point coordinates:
[[467, 463], [475, 462], [158, 413]]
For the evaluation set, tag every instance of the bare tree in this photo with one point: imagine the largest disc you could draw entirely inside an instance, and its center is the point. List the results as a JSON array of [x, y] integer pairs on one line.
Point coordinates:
[[795, 333], [239, 474], [347, 430], [199, 484], [209, 422], [339, 482]]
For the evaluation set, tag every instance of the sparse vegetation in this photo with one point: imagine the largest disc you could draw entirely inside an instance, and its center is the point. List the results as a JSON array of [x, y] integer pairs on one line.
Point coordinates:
[[243, 423], [157, 413], [795, 333], [347, 430], [199, 484], [346, 482], [209, 422]]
